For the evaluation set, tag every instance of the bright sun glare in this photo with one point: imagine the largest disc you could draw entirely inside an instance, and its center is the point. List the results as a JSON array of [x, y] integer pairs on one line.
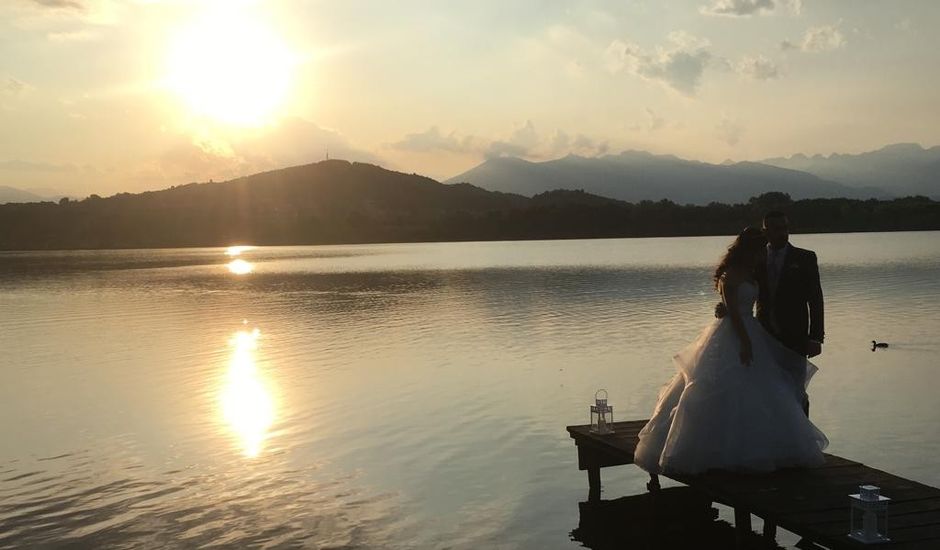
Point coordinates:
[[229, 67]]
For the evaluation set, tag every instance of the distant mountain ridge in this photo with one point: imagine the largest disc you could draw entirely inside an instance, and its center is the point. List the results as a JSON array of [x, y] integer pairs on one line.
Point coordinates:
[[12, 194], [635, 176], [900, 169], [338, 202]]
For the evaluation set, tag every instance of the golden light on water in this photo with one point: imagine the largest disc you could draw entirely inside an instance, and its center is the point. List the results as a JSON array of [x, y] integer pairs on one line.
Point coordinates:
[[228, 66], [246, 401], [237, 250], [240, 267]]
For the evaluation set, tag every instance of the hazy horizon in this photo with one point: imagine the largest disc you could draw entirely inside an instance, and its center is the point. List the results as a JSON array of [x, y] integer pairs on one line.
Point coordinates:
[[106, 96]]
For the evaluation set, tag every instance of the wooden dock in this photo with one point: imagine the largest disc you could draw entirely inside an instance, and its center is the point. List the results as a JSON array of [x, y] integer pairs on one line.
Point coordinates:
[[810, 502]]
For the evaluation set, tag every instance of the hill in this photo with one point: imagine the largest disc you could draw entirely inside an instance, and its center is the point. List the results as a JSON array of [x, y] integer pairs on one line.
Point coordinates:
[[328, 202], [335, 202]]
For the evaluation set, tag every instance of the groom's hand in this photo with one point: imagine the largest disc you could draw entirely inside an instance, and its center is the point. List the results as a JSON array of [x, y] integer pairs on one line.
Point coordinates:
[[720, 310], [813, 349]]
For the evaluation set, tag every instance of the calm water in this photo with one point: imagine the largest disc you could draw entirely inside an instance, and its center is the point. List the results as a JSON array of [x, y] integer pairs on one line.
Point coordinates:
[[397, 396]]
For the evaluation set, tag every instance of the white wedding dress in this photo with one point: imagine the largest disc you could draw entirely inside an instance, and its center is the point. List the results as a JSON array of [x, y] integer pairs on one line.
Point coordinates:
[[717, 413]]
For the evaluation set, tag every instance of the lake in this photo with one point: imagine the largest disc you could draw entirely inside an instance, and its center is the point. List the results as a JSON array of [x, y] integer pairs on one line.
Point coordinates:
[[398, 395]]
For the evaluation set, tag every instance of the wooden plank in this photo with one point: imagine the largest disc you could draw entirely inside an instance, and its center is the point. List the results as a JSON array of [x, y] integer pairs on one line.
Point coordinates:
[[601, 451], [785, 505], [836, 533], [916, 534], [628, 427], [930, 504], [799, 485], [811, 502], [742, 526], [591, 456], [586, 428]]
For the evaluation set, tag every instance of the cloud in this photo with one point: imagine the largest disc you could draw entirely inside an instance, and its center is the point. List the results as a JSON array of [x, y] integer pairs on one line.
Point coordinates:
[[525, 135], [729, 131], [433, 140], [679, 69], [61, 4], [295, 141], [584, 144], [738, 8], [73, 36], [795, 6], [562, 46], [526, 141], [522, 141], [620, 55], [188, 162], [498, 149], [50, 15], [758, 68], [653, 122], [12, 86], [747, 8], [203, 154], [27, 166], [817, 39], [561, 143], [679, 65]]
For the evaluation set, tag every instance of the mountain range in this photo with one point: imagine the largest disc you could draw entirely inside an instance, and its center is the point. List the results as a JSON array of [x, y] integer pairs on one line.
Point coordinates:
[[900, 169], [336, 202], [895, 170], [12, 194]]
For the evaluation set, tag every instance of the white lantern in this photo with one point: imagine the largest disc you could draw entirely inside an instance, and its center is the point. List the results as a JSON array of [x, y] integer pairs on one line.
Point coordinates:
[[602, 414], [868, 515]]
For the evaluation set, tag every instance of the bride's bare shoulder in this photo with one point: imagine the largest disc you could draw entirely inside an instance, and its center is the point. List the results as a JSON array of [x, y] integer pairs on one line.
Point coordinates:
[[732, 277]]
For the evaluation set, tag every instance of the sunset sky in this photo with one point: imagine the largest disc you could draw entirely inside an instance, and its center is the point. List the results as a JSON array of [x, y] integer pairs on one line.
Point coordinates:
[[103, 96]]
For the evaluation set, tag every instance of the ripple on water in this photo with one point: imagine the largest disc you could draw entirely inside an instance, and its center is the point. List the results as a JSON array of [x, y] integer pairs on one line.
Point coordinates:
[[419, 392]]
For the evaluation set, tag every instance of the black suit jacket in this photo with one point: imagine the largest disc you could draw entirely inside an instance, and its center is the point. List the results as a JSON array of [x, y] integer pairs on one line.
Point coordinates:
[[797, 306]]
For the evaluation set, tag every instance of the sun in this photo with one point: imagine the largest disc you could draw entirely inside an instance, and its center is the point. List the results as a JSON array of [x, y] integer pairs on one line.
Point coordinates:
[[230, 68]]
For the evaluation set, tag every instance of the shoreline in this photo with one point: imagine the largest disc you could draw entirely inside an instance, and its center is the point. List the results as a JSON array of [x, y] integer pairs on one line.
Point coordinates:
[[495, 240]]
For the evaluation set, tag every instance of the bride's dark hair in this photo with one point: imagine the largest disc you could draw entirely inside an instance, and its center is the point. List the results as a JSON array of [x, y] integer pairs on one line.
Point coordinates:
[[741, 252]]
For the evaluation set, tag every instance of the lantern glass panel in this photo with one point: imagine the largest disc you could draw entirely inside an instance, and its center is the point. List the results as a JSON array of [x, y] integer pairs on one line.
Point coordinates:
[[868, 519], [602, 419]]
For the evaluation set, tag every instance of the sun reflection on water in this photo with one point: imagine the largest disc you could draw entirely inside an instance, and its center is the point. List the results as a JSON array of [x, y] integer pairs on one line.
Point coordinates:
[[240, 267], [237, 249], [246, 402]]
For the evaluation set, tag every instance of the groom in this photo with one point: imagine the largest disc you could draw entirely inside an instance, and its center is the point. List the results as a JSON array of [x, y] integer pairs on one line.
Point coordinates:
[[790, 305]]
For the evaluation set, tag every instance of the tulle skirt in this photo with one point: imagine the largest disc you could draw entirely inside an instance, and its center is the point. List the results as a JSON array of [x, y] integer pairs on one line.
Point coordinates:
[[717, 413]]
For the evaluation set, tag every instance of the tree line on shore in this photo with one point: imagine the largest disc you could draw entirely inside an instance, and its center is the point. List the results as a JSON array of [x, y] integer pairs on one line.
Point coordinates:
[[336, 202]]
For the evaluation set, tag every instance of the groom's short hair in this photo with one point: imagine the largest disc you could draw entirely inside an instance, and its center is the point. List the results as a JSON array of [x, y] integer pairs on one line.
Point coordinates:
[[774, 214]]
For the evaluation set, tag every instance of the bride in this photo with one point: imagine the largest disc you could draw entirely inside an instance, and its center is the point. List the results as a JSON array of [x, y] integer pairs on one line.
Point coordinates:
[[732, 405]]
